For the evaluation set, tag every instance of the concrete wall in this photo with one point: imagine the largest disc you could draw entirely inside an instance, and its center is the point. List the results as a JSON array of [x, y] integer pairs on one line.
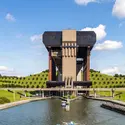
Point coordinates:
[[69, 36], [79, 76], [69, 55], [69, 68]]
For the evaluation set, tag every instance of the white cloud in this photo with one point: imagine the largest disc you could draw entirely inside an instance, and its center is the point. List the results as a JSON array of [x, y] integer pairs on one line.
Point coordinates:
[[119, 9], [84, 2], [6, 71], [108, 45], [3, 68], [36, 38], [111, 71], [100, 31], [10, 17]]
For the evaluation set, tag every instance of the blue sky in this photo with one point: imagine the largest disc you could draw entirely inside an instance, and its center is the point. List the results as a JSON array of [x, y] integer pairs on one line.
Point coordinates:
[[22, 23]]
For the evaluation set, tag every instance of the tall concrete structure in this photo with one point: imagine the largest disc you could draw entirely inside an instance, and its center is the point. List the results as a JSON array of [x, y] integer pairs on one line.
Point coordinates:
[[69, 52]]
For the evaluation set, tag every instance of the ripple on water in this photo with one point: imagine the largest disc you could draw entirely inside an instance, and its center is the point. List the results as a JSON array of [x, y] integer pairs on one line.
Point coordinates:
[[49, 112]]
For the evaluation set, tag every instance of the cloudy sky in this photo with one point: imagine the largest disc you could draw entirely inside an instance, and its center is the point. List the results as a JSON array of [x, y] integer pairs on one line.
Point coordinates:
[[22, 23]]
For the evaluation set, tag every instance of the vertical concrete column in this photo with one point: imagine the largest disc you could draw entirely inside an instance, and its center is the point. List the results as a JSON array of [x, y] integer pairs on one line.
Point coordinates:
[[53, 70], [84, 69], [50, 66], [88, 64], [42, 94], [63, 94], [14, 95], [49, 93], [72, 84], [74, 93], [69, 55], [25, 93], [63, 50], [94, 93], [113, 93], [66, 80], [83, 73]]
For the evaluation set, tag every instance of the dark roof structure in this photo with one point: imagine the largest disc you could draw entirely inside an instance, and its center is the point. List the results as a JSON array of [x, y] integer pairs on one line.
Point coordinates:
[[62, 83], [54, 39]]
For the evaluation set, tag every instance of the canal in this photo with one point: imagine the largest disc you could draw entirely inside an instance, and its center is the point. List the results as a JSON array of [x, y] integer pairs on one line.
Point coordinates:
[[49, 112]]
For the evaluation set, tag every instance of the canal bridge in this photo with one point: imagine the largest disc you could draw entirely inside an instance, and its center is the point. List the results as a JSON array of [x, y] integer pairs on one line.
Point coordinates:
[[42, 91], [64, 89]]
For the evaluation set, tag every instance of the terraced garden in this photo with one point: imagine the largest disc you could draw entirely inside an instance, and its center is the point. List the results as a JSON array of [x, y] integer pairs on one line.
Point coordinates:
[[106, 81], [39, 81], [32, 81]]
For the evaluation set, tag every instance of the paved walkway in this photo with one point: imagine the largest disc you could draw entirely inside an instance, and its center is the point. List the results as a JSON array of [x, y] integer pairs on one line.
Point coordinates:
[[64, 89], [108, 100]]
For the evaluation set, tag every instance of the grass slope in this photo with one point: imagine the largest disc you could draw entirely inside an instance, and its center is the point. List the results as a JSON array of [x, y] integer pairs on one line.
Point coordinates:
[[9, 95], [39, 81], [32, 81], [106, 81]]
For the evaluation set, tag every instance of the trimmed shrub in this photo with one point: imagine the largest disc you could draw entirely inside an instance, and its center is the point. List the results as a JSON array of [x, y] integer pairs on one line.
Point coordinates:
[[1, 101], [4, 100], [37, 86], [32, 86], [27, 86]]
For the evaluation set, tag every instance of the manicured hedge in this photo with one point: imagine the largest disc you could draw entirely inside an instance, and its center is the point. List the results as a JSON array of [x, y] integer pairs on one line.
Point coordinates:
[[32, 81], [106, 81], [4, 100], [39, 80]]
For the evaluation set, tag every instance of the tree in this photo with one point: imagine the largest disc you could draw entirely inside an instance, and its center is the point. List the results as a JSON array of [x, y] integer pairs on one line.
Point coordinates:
[[27, 86], [46, 70], [92, 70], [116, 75], [37, 86]]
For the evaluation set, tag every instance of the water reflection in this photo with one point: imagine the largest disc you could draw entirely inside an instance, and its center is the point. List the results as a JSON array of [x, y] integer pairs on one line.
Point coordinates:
[[49, 112]]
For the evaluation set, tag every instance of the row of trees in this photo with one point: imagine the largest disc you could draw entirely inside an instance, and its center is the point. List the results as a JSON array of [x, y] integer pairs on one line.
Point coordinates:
[[119, 75], [21, 86], [116, 75]]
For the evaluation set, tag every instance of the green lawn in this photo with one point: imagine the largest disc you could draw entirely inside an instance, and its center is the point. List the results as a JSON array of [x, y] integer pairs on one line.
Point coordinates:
[[107, 93], [102, 93], [9, 95], [120, 97]]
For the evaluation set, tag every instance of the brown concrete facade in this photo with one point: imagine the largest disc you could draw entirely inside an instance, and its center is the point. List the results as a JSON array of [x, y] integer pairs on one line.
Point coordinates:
[[69, 56], [52, 68], [88, 64]]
